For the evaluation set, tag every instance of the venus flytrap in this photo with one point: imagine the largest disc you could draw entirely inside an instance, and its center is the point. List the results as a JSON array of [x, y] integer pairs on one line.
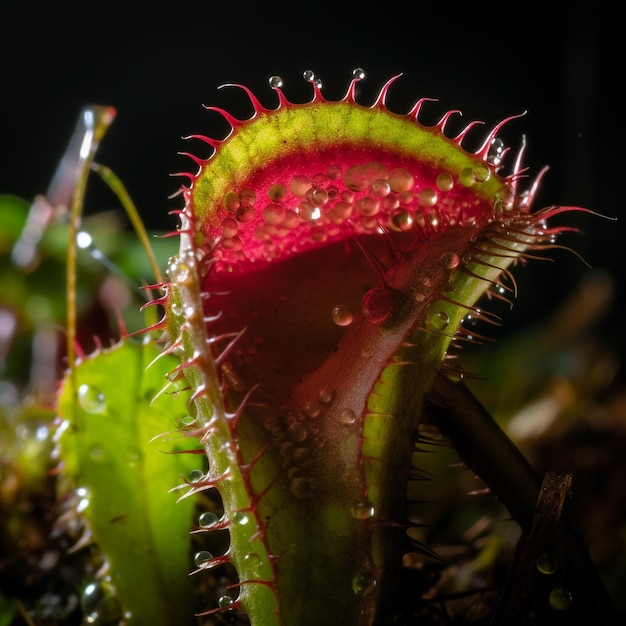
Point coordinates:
[[329, 254], [330, 257]]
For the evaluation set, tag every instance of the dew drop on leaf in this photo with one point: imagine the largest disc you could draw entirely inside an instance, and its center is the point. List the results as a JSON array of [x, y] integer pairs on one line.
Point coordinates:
[[547, 563], [202, 558], [178, 270], [188, 420], [363, 584], [275, 82], [444, 182], [450, 260], [427, 197], [326, 396], [100, 604], [91, 399], [341, 315], [347, 417], [466, 177], [297, 432], [254, 562], [196, 476], [496, 150], [481, 172], [438, 321], [207, 519], [561, 598], [239, 517], [224, 601], [362, 509]]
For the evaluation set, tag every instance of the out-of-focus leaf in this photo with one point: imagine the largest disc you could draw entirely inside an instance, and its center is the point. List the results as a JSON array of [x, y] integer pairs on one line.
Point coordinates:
[[123, 478]]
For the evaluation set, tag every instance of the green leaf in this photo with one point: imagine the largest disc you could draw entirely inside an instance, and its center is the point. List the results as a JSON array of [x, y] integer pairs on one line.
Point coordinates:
[[124, 478]]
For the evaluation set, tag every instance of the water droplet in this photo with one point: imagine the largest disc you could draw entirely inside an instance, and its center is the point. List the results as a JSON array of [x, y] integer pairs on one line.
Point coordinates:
[[377, 305], [302, 457], [326, 396], [496, 151], [224, 601], [245, 214], [178, 270], [83, 499], [504, 200], [333, 172], [402, 220], [358, 73], [99, 601], [300, 487], [361, 177], [427, 197], [547, 563], [202, 558], [207, 519], [309, 212], [274, 213], [367, 206], [229, 227], [362, 509], [254, 563], [481, 172], [299, 185], [188, 420], [364, 584], [380, 188], [277, 192], [317, 195], [308, 75], [342, 315], [450, 260], [240, 517], [347, 417], [561, 598], [42, 432], [313, 409], [438, 320], [231, 201], [466, 177], [91, 399], [275, 82], [176, 308], [444, 182], [297, 432], [247, 197], [195, 476], [400, 180]]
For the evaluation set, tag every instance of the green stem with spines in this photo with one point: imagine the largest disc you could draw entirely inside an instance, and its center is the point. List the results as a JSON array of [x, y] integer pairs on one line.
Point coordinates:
[[227, 467]]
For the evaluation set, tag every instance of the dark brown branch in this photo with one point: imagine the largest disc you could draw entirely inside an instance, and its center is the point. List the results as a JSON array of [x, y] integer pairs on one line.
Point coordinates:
[[541, 511]]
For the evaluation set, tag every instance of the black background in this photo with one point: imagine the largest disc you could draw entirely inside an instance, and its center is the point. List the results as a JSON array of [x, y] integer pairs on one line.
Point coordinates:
[[157, 66]]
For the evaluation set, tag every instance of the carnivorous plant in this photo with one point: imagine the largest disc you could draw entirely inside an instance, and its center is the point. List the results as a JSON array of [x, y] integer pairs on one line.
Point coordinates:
[[257, 452]]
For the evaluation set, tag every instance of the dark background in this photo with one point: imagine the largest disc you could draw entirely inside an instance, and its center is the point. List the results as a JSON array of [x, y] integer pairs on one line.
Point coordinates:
[[157, 66]]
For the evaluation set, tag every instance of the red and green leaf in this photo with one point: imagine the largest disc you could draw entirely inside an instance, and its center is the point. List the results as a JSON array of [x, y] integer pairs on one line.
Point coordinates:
[[329, 254]]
